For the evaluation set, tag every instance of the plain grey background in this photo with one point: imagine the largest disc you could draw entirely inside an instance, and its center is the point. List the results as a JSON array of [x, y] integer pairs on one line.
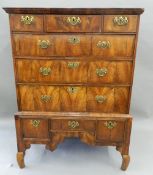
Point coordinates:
[[85, 159]]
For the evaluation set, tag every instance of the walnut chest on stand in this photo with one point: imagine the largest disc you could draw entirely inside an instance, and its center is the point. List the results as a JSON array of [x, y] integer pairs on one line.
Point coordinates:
[[73, 72]]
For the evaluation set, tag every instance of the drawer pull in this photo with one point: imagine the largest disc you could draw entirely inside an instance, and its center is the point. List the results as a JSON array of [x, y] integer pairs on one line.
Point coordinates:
[[74, 40], [73, 65], [27, 19], [45, 70], [101, 72], [72, 90], [103, 44], [110, 124], [35, 123], [73, 124], [100, 98], [120, 20], [45, 98], [73, 20], [43, 44]]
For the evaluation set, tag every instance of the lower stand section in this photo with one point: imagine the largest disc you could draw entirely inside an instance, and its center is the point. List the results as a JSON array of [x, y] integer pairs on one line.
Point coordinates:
[[52, 147], [93, 129]]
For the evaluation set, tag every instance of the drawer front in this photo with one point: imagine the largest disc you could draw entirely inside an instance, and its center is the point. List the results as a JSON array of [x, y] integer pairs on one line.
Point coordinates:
[[113, 45], [37, 70], [108, 99], [73, 71], [110, 130], [35, 128], [51, 45], [26, 22], [72, 23], [110, 72], [38, 98], [73, 124], [73, 98], [120, 23]]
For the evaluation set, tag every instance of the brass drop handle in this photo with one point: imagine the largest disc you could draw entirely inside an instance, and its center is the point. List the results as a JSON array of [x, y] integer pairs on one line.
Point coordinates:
[[101, 72], [120, 20], [45, 71], [73, 65], [103, 44], [110, 124], [73, 124], [43, 44], [72, 90], [45, 98], [73, 20], [100, 98], [27, 19], [74, 40], [35, 123]]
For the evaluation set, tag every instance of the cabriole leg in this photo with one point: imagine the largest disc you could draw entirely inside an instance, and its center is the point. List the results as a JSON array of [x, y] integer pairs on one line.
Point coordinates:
[[20, 159]]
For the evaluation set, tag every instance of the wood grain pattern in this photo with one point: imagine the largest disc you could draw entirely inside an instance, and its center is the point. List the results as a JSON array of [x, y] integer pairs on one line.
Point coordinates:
[[27, 45], [117, 72], [113, 135], [29, 71], [76, 74], [58, 23], [30, 98], [106, 106], [116, 99], [109, 25], [17, 25], [73, 101], [30, 131], [120, 46]]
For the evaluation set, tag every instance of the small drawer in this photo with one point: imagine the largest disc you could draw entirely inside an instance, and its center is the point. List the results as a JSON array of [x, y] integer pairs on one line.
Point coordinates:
[[120, 23], [73, 98], [38, 98], [37, 71], [51, 45], [73, 124], [35, 128], [73, 71], [72, 23], [110, 72], [112, 46], [110, 130], [108, 99], [26, 22]]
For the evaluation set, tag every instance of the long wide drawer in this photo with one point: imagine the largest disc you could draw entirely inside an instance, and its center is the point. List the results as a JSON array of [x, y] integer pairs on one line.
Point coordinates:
[[74, 45], [73, 98], [72, 71]]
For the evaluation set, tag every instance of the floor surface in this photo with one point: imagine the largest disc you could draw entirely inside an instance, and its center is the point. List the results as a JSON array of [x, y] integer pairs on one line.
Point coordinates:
[[75, 158]]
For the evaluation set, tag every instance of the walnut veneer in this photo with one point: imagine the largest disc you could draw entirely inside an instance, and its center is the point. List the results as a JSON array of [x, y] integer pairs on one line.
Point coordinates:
[[74, 73]]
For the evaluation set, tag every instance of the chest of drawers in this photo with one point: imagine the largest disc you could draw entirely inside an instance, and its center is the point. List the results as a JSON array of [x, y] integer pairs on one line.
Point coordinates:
[[74, 73]]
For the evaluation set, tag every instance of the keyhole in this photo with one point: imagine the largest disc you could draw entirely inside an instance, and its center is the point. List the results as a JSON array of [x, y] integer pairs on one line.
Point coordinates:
[[72, 89]]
